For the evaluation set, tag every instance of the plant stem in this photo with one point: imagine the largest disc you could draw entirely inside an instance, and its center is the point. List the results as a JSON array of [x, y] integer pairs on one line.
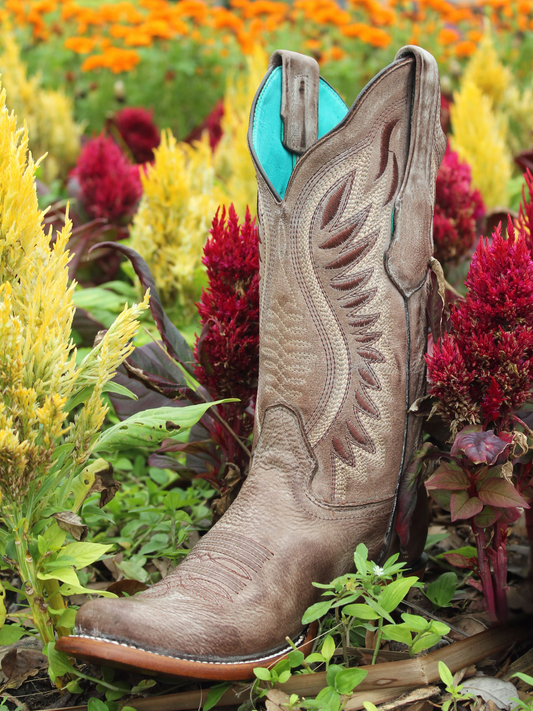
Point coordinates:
[[378, 640], [484, 570], [33, 590], [498, 556]]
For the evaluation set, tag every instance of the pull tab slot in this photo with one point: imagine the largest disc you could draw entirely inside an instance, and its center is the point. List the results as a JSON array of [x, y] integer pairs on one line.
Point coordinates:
[[299, 99]]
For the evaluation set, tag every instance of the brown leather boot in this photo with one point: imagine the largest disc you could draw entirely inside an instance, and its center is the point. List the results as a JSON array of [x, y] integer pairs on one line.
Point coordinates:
[[345, 242]]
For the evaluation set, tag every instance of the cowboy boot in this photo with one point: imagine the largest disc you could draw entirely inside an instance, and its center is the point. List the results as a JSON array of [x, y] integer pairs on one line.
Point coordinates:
[[345, 213]]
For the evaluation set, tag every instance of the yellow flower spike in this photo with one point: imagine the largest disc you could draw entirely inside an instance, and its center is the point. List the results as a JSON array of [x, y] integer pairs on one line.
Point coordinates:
[[233, 164], [172, 223], [48, 114], [486, 70], [480, 141], [38, 372]]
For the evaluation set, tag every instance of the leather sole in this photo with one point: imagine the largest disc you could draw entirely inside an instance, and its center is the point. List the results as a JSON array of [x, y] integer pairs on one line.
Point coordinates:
[[122, 656]]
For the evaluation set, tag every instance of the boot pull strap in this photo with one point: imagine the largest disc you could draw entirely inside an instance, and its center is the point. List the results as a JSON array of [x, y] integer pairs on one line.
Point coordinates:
[[299, 99]]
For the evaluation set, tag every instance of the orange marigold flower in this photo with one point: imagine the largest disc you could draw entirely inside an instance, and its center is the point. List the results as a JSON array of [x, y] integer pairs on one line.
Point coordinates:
[[114, 58], [44, 6], [158, 28], [265, 7], [224, 19], [313, 44], [524, 7], [447, 36], [465, 48], [195, 9], [474, 36], [119, 30], [138, 38], [69, 10], [80, 45]]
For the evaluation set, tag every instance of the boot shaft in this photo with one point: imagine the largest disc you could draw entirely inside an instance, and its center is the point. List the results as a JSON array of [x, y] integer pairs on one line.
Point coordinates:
[[344, 261]]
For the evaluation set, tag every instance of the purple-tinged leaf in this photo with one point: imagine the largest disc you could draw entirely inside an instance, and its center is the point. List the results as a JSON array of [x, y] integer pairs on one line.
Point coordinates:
[[462, 505], [501, 493], [448, 476], [487, 517], [510, 515], [461, 561], [146, 399], [87, 326], [174, 341], [442, 497], [407, 496], [479, 447]]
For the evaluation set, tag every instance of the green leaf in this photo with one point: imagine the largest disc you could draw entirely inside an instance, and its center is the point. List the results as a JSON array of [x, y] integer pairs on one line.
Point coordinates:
[[315, 657], [85, 553], [415, 622], [347, 679], [425, 642], [462, 505], [97, 705], [442, 590], [501, 493], [439, 628], [262, 673], [148, 428], [295, 658], [381, 612], [397, 633], [395, 592], [362, 612], [445, 674], [58, 663], [67, 618], [360, 557], [317, 610], [112, 387], [282, 666], [329, 699], [434, 538], [215, 694], [284, 676], [11, 633], [66, 575], [331, 674], [328, 648], [524, 677], [68, 589], [369, 706]]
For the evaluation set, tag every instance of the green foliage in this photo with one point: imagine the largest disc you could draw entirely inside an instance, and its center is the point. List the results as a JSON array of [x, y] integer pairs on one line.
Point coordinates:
[[454, 691], [382, 589], [442, 590], [523, 705]]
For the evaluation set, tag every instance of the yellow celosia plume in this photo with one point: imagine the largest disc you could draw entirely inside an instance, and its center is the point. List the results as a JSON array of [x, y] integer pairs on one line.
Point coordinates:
[[486, 70], [38, 372], [233, 164], [172, 223], [479, 139], [48, 114]]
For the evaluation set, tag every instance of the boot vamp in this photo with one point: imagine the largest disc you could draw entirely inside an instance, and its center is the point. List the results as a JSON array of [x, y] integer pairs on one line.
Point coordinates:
[[246, 585]]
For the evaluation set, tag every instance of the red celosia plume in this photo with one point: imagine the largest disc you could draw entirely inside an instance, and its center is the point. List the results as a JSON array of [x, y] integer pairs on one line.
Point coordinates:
[[457, 207], [483, 370], [212, 124], [110, 186], [227, 351], [140, 134]]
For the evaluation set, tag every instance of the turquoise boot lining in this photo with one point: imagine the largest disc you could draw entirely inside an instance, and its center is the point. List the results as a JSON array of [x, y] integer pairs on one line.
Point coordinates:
[[267, 133]]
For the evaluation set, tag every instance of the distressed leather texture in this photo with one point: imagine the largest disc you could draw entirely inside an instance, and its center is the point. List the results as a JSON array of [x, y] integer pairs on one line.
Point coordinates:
[[299, 99], [342, 339]]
